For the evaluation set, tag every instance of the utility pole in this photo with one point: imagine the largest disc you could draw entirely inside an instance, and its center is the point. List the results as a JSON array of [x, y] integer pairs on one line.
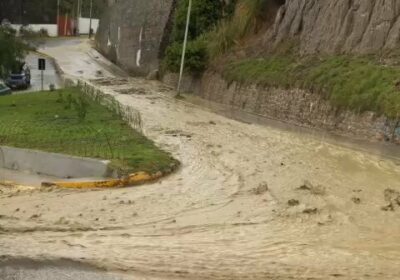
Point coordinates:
[[58, 17], [184, 48], [90, 22], [78, 16]]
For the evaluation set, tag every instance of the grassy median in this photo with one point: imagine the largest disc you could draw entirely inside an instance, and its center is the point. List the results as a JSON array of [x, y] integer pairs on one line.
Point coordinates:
[[64, 122]]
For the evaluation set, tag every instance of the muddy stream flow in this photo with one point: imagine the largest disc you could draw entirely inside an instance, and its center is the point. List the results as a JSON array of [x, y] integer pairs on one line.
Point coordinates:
[[250, 201]]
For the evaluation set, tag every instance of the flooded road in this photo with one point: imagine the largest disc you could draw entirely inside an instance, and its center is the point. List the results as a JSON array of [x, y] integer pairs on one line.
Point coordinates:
[[249, 202], [50, 75]]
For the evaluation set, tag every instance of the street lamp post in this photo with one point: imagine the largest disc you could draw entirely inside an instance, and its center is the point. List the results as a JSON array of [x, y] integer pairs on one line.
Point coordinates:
[[90, 21], [184, 48]]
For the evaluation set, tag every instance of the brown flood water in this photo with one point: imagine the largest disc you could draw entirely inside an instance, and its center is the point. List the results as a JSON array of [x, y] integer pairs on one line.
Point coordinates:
[[251, 201]]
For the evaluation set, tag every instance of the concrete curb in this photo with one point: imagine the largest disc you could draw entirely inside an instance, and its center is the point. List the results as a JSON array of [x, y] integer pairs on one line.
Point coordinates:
[[134, 179], [40, 162]]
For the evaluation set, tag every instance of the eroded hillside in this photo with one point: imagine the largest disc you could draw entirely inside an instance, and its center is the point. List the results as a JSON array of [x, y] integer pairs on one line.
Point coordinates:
[[356, 26]]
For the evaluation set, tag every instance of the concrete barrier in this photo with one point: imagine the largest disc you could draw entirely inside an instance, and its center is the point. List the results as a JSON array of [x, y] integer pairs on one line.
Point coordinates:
[[50, 28], [57, 165], [133, 179]]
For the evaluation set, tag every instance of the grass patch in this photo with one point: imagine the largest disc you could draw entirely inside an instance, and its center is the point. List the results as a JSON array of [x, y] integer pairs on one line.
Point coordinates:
[[53, 122], [356, 83]]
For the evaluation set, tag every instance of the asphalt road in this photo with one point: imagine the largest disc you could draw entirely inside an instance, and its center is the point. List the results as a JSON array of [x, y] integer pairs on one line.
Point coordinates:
[[50, 75]]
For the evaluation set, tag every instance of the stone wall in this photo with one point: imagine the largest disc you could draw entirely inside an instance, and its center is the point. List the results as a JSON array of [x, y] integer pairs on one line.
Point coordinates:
[[293, 106], [338, 26], [131, 33]]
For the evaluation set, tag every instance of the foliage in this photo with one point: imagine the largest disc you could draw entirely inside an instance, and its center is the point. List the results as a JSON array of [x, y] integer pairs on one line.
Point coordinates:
[[205, 15], [356, 83], [220, 24], [247, 18], [26, 123], [81, 106], [29, 33], [12, 51], [196, 57]]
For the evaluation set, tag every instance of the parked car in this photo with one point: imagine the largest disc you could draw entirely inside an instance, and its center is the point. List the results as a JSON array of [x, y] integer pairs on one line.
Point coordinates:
[[18, 81], [19, 78], [4, 90]]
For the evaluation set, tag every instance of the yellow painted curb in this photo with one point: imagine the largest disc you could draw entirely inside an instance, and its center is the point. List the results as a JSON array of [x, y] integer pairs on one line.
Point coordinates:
[[132, 180]]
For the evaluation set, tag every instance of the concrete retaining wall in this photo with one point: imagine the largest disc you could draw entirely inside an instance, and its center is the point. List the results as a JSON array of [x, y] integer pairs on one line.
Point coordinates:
[[51, 28], [58, 165], [84, 24], [293, 106], [132, 33]]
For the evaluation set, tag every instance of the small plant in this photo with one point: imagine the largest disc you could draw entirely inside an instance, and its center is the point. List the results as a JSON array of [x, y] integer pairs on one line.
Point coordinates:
[[68, 102], [81, 107], [60, 97]]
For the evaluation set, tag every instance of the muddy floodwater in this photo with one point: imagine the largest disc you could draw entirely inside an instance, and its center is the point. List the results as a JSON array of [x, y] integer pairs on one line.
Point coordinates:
[[251, 201]]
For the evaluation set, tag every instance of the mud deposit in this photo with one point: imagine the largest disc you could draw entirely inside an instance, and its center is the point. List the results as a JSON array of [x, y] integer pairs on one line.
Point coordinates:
[[60, 270], [250, 202]]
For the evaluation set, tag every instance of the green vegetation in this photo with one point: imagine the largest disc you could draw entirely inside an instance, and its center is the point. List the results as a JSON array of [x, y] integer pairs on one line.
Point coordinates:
[[246, 19], [205, 15], [215, 28], [65, 121], [12, 51], [348, 82], [196, 56], [358, 84]]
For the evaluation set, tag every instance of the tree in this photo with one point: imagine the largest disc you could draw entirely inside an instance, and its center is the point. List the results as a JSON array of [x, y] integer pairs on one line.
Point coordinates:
[[12, 51], [205, 15]]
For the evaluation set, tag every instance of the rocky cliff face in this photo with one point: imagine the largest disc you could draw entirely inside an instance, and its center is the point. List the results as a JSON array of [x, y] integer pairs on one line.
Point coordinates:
[[339, 26], [131, 33]]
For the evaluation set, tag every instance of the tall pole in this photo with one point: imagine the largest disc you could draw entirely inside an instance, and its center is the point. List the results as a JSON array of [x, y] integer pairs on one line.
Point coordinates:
[[90, 21], [58, 17], [184, 48], [78, 16]]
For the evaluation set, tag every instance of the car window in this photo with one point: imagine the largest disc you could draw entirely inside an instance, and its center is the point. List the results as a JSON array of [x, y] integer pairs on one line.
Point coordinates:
[[17, 77]]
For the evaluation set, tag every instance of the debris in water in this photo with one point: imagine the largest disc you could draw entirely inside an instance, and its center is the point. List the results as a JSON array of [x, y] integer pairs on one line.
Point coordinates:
[[393, 198], [315, 190], [293, 202], [310, 211], [35, 216], [261, 189]]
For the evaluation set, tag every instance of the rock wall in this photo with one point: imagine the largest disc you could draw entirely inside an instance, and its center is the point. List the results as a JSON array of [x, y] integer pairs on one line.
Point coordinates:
[[338, 26], [131, 33], [292, 106]]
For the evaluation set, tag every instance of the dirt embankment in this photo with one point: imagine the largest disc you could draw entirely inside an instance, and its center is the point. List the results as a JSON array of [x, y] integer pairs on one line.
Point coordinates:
[[341, 26]]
